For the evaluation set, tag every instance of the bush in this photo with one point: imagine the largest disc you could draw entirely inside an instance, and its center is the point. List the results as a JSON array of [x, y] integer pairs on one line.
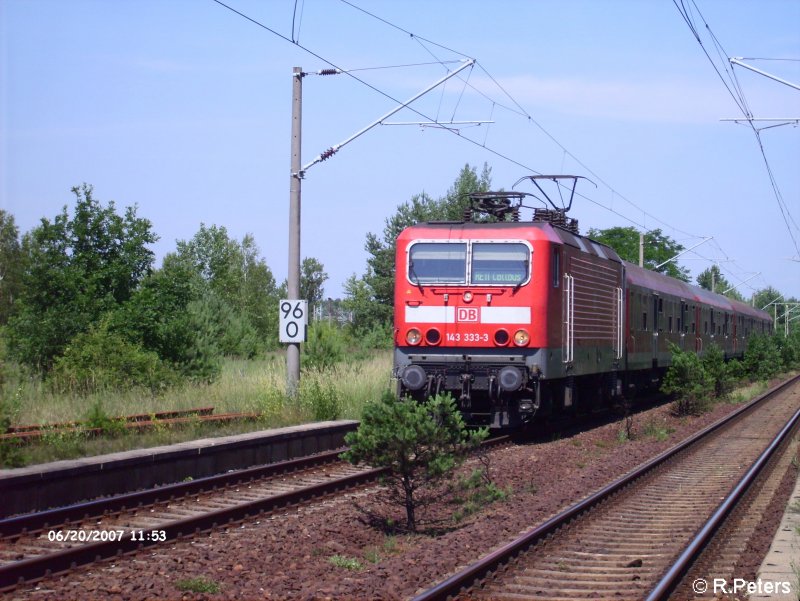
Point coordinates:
[[97, 418], [11, 454], [717, 370], [736, 371], [323, 400], [232, 332], [789, 348], [104, 360], [688, 380], [420, 444], [762, 359], [325, 346]]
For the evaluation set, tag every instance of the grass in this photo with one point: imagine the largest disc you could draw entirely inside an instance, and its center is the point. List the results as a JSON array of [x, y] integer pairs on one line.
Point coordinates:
[[473, 493], [745, 392], [256, 386], [660, 432], [197, 585], [348, 563]]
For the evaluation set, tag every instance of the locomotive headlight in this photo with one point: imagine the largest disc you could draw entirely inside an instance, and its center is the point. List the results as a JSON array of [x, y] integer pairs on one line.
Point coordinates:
[[413, 336], [521, 338], [467, 297]]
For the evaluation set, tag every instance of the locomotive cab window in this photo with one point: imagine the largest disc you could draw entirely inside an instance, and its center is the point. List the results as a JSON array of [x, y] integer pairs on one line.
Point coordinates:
[[499, 263], [437, 263]]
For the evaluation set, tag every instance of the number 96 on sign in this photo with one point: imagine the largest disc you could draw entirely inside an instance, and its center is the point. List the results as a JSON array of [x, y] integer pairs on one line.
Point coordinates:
[[293, 320]]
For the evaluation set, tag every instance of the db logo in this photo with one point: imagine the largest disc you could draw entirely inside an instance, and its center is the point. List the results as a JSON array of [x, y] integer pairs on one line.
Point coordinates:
[[467, 314]]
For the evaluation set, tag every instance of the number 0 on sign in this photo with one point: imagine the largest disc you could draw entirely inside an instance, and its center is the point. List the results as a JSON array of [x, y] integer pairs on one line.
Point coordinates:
[[293, 320]]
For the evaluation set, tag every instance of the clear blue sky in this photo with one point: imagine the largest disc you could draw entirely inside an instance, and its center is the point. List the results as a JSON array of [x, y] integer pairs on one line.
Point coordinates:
[[183, 107]]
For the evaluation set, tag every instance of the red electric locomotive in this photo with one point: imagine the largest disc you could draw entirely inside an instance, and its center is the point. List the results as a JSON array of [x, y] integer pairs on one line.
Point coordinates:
[[515, 318]]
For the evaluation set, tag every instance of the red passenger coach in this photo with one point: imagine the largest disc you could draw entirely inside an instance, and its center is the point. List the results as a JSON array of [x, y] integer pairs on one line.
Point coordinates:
[[521, 318]]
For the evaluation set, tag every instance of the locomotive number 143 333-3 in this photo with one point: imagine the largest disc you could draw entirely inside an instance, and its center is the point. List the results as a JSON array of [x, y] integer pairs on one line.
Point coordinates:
[[467, 337]]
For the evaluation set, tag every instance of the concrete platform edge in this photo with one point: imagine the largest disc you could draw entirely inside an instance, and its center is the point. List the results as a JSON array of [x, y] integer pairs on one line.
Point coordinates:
[[60, 483]]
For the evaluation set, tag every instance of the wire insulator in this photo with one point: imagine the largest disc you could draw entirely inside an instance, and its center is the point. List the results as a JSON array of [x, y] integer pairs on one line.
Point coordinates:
[[329, 72], [327, 154]]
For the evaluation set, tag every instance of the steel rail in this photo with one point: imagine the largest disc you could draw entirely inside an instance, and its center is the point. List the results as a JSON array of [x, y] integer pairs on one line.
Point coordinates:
[[686, 559], [490, 563]]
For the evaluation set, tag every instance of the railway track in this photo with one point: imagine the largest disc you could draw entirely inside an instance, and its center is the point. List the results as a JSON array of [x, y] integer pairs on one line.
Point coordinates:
[[638, 537], [40, 544], [36, 545]]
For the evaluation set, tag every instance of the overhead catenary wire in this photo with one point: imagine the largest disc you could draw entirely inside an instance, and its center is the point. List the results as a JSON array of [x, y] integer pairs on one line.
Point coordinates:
[[491, 150], [515, 108], [737, 93], [519, 110], [372, 87]]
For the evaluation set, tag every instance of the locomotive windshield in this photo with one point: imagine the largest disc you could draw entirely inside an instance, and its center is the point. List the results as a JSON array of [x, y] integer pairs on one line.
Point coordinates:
[[437, 263], [490, 263], [499, 263]]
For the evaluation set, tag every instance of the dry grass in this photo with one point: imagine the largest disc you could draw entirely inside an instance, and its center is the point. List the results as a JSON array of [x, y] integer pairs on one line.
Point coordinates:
[[251, 386], [244, 386]]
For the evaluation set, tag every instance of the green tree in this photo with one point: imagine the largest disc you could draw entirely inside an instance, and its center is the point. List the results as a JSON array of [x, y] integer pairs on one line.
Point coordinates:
[[766, 298], [776, 304], [236, 273], [717, 370], [712, 279], [172, 314], [11, 267], [259, 293], [657, 248], [77, 269], [762, 357], [420, 444], [312, 280]]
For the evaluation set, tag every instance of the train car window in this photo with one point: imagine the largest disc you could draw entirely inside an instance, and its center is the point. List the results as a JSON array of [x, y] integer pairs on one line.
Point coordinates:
[[499, 263], [705, 327], [556, 267], [660, 305], [669, 322], [437, 263], [644, 320]]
